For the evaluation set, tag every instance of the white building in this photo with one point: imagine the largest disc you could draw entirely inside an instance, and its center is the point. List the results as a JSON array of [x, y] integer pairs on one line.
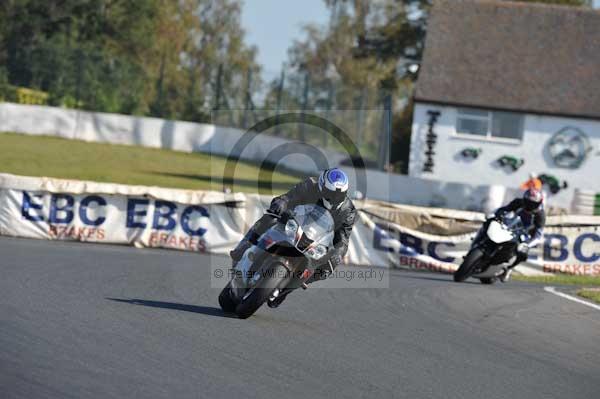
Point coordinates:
[[507, 89]]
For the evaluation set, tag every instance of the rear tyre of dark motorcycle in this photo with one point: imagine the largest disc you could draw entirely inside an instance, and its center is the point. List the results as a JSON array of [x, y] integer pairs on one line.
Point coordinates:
[[227, 304], [274, 277], [487, 280], [468, 266]]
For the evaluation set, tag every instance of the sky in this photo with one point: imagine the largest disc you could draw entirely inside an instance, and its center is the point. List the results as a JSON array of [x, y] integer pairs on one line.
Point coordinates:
[[272, 25]]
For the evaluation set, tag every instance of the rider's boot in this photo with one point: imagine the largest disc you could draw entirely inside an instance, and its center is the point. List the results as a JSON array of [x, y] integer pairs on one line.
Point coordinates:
[[504, 277]]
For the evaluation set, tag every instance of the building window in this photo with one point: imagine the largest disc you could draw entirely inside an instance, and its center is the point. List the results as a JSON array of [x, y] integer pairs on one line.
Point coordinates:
[[489, 124]]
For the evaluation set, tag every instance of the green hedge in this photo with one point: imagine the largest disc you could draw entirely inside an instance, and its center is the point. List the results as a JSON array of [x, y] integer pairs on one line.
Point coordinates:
[[22, 95]]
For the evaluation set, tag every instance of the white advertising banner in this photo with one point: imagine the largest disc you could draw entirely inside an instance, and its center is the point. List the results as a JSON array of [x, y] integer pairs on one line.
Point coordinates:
[[570, 250], [137, 220], [214, 222]]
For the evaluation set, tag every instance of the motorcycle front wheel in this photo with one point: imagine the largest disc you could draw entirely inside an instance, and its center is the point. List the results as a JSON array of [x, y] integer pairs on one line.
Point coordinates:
[[469, 265], [275, 277], [225, 301]]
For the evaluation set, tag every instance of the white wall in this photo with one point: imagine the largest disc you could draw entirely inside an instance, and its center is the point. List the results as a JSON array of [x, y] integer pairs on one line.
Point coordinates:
[[149, 132], [194, 137], [538, 130], [432, 193]]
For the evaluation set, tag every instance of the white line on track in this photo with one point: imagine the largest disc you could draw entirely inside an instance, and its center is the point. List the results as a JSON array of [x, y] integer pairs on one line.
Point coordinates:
[[552, 290]]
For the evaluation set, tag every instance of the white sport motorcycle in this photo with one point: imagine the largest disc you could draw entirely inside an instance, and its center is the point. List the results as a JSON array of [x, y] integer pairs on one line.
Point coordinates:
[[283, 259], [493, 249]]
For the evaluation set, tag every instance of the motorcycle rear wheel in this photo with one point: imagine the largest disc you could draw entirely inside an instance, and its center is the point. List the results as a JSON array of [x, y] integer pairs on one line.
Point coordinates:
[[487, 280], [468, 266]]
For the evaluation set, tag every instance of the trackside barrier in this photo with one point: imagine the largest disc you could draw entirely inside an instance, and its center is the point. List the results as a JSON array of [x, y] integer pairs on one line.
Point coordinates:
[[56, 209], [586, 202]]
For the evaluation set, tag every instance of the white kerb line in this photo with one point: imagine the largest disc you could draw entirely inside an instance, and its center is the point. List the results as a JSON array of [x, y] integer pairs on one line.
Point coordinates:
[[552, 290]]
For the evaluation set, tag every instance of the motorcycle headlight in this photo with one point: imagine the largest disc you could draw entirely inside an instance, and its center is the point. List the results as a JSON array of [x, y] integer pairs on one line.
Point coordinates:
[[291, 227], [317, 252]]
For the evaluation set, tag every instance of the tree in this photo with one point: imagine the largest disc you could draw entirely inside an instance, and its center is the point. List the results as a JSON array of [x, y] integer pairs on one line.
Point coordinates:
[[365, 53], [86, 51], [156, 57], [219, 63]]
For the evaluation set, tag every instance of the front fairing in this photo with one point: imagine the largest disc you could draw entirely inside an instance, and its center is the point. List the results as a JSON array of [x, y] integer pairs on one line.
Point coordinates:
[[273, 243], [499, 233], [314, 223], [499, 239], [316, 226]]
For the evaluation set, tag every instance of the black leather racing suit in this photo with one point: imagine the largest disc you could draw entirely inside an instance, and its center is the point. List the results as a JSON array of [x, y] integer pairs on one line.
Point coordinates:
[[307, 192], [534, 223]]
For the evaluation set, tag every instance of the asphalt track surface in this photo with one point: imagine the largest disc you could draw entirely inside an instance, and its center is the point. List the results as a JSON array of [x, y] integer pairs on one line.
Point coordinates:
[[100, 321]]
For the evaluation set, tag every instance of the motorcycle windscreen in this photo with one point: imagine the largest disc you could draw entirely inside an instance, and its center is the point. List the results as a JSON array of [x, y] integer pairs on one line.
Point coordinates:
[[316, 222], [498, 233], [513, 221]]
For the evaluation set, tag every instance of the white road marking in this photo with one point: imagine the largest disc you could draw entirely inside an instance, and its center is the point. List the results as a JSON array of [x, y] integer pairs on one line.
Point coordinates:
[[552, 290]]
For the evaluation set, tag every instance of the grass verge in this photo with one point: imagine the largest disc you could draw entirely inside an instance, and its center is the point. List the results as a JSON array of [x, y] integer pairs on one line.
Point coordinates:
[[561, 279], [112, 163], [591, 294]]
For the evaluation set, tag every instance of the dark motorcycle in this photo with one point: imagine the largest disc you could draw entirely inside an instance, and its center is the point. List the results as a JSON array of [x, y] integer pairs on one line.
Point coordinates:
[[285, 257], [493, 248]]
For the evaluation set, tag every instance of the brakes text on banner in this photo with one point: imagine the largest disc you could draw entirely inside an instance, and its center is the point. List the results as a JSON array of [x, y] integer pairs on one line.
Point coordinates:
[[118, 219], [563, 249]]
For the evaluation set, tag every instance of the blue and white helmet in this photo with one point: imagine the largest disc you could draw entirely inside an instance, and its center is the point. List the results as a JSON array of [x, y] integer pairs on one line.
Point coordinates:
[[333, 184]]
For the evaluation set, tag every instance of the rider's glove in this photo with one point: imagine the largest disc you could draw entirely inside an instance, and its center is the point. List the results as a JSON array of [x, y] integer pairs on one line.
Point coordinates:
[[278, 206], [523, 248]]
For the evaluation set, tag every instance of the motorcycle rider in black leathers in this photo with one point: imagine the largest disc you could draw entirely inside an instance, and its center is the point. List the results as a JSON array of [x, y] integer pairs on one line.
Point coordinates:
[[328, 190], [531, 210]]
